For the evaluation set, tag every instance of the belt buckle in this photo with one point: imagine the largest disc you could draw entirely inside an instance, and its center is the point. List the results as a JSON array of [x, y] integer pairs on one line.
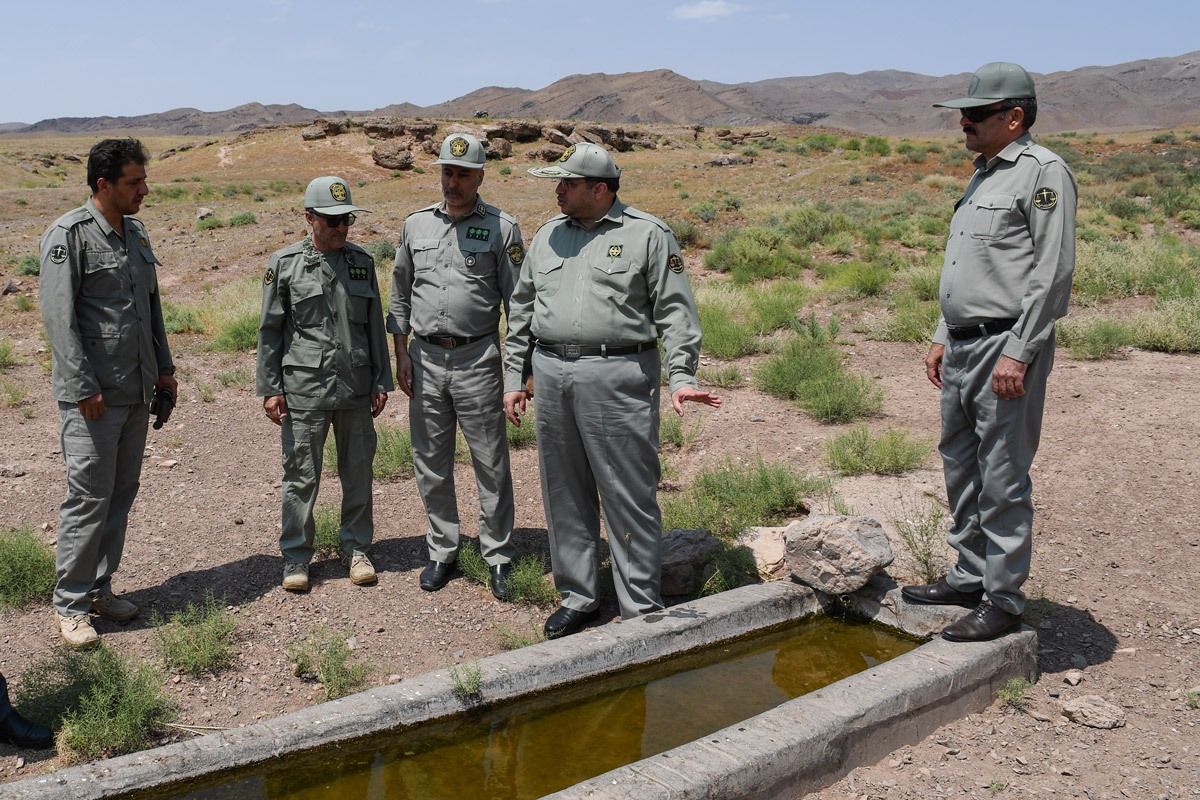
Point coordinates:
[[447, 342], [572, 351]]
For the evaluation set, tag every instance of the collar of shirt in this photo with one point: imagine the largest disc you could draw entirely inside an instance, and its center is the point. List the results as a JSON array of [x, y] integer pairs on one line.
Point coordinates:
[[1011, 152], [615, 215], [477, 210], [100, 219]]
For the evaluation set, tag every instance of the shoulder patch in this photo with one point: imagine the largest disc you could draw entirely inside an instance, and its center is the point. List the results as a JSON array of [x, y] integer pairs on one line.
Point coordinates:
[[58, 253], [268, 277], [516, 253], [1045, 198], [675, 262]]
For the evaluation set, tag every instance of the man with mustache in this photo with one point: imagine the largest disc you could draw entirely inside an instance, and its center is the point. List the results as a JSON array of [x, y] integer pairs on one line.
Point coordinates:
[[1005, 281], [455, 268], [323, 361], [602, 283]]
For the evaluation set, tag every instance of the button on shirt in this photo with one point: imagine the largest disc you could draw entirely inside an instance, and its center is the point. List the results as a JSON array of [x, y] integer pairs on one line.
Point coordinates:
[[451, 276], [611, 285], [1011, 251], [100, 301]]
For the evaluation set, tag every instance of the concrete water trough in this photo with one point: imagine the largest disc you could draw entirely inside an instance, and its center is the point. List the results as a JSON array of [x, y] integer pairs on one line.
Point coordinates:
[[795, 748]]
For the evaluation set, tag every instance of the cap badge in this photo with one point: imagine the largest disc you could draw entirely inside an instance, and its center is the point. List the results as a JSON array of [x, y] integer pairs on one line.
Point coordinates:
[[459, 146], [338, 190], [569, 152]]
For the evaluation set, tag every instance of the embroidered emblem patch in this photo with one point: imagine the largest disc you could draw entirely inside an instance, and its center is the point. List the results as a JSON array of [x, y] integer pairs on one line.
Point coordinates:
[[675, 262], [614, 251], [338, 190], [58, 253], [458, 146], [478, 234], [1045, 198], [516, 253], [268, 277], [569, 152], [144, 242], [358, 273]]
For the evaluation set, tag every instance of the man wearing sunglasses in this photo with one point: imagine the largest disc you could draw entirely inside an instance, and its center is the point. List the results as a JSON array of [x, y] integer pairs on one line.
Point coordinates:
[[322, 361], [455, 268], [1005, 281], [602, 283]]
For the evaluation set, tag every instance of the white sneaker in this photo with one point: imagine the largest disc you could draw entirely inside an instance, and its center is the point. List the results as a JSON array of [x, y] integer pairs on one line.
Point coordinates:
[[109, 606], [76, 630], [362, 571], [295, 577]]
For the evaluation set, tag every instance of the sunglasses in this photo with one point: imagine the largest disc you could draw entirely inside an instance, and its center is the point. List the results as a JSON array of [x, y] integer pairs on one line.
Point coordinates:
[[978, 115], [336, 220]]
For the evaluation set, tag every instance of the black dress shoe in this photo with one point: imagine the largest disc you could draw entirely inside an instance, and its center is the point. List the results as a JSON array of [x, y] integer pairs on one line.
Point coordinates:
[[983, 624], [500, 573], [941, 594], [436, 575], [24, 734], [566, 621]]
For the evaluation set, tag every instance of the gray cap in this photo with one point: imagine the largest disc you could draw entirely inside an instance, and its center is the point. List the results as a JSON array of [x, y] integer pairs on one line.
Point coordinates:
[[584, 160], [462, 150], [999, 80], [329, 195]]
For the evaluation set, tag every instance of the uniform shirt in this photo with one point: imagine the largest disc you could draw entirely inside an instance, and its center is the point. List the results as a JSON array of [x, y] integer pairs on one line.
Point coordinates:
[[620, 283], [321, 341], [1011, 252], [99, 298], [451, 276]]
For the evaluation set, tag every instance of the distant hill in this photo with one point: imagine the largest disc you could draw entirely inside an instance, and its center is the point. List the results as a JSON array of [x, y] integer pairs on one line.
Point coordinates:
[[1154, 93]]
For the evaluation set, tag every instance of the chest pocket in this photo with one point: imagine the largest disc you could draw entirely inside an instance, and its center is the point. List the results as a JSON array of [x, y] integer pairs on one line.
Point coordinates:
[[102, 274], [360, 304], [612, 276], [424, 253], [308, 308], [478, 258], [149, 272], [548, 277], [994, 216]]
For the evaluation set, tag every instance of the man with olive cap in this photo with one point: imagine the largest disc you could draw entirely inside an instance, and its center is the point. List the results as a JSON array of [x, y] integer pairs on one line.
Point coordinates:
[[602, 283], [323, 360], [455, 267], [1005, 281]]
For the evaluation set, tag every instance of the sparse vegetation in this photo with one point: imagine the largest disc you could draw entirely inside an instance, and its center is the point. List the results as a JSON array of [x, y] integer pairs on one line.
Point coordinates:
[[8, 354], [26, 568], [244, 218], [28, 265], [1015, 694], [890, 453], [924, 536], [324, 656], [467, 681], [198, 639], [327, 537]]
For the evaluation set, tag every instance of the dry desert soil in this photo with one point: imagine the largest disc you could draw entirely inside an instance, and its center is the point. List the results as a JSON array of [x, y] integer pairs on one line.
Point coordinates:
[[1116, 548]]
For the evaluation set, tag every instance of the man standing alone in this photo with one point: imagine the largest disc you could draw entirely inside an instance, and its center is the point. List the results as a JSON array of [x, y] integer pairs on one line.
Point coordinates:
[[100, 302], [456, 266], [1005, 281]]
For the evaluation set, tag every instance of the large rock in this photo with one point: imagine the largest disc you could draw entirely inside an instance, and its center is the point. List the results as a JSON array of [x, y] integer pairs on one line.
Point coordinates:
[[770, 550], [393, 154], [687, 561], [548, 152], [498, 147], [555, 136], [836, 554], [323, 127], [1094, 711], [514, 130]]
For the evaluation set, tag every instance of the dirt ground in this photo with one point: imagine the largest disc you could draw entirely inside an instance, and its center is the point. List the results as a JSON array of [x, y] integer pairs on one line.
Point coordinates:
[[1116, 553]]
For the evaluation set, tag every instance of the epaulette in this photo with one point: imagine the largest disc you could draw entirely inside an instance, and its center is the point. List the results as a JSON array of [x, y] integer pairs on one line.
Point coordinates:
[[496, 212], [431, 207], [633, 212], [555, 218], [358, 249], [72, 218], [1043, 155]]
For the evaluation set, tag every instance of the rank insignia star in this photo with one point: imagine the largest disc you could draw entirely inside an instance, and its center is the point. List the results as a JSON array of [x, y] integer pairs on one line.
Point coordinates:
[[58, 253], [1045, 198]]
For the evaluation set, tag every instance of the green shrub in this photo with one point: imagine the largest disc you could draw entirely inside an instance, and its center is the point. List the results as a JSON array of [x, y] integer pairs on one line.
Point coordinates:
[[28, 265], [12, 394], [841, 399], [103, 704], [181, 319], [858, 278], [822, 142], [722, 377], [527, 584], [911, 320], [198, 639], [238, 376], [673, 430], [857, 451], [807, 224], [325, 657], [526, 434], [733, 566], [1172, 326], [393, 453], [687, 233], [238, 335], [8, 354], [1094, 338], [705, 211], [26, 568], [467, 681], [505, 169], [753, 254], [877, 145], [924, 537], [724, 336], [23, 302], [383, 251], [808, 369], [1015, 693], [210, 223], [244, 218], [327, 521], [774, 306]]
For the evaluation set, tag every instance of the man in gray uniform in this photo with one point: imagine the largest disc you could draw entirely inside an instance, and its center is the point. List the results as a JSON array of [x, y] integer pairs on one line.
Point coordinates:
[[1005, 281], [456, 265], [323, 360], [602, 282], [100, 302]]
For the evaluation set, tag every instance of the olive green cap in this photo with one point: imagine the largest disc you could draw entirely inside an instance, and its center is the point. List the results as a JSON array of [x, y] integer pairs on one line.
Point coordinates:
[[329, 195], [462, 150], [583, 160], [998, 80]]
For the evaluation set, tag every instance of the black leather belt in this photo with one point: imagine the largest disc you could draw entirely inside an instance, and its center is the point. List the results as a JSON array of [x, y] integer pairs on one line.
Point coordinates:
[[580, 350], [450, 342], [989, 328]]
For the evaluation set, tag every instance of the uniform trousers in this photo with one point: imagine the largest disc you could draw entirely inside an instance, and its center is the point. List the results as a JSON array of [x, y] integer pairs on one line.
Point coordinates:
[[104, 469], [597, 432], [463, 387], [987, 448], [303, 435]]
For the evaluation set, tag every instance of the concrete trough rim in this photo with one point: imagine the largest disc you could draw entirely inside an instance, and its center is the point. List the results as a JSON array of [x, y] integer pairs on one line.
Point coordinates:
[[530, 670]]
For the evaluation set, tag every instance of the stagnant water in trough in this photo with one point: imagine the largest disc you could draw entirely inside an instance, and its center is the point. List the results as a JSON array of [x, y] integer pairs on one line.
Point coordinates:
[[536, 746]]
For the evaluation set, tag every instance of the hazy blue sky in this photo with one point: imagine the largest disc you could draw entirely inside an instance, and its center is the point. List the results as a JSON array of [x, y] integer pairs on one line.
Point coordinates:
[[83, 59]]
